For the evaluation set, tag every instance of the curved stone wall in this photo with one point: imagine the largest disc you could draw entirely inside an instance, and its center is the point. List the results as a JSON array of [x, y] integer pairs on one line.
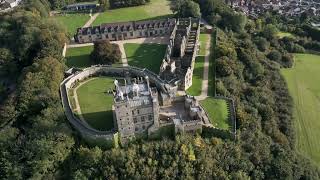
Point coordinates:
[[82, 127]]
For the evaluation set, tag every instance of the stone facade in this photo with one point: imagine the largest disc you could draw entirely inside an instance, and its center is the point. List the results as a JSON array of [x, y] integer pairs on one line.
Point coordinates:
[[136, 107], [125, 30]]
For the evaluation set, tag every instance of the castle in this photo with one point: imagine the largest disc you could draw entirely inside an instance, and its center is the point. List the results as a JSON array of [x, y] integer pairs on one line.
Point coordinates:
[[144, 102], [179, 59], [137, 110]]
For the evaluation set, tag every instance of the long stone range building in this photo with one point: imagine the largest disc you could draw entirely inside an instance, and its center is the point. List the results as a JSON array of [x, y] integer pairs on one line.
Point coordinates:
[[125, 30]]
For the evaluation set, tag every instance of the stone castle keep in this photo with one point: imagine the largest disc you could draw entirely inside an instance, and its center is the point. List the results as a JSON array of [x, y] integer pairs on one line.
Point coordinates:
[[144, 101]]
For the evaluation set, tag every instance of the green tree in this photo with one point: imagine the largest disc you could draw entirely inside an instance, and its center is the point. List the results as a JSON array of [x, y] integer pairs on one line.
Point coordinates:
[[186, 8], [270, 31], [105, 53]]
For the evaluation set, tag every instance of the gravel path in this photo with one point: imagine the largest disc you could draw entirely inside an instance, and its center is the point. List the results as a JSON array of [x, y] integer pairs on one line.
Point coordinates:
[[90, 21], [204, 91]]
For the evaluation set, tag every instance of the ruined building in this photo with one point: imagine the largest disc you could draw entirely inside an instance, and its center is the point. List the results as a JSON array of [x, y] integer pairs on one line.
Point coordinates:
[[178, 63]]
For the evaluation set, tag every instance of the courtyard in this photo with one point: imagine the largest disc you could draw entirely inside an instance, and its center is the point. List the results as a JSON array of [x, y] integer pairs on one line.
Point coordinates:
[[95, 103], [79, 57], [217, 110], [148, 56]]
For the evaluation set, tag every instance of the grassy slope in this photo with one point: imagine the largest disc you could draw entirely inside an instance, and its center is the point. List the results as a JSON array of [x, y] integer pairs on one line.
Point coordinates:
[[155, 9], [95, 104], [303, 82], [147, 56], [72, 21], [79, 57], [195, 89], [217, 110], [284, 34]]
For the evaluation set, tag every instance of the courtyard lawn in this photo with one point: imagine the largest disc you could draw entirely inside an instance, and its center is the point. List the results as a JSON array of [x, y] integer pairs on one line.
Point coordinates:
[[195, 89], [148, 56], [217, 110], [203, 40], [79, 57], [155, 9], [72, 21], [284, 34], [96, 104], [303, 82]]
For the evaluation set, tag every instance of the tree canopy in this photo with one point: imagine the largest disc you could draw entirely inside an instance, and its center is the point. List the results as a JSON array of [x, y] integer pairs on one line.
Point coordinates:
[[105, 53]]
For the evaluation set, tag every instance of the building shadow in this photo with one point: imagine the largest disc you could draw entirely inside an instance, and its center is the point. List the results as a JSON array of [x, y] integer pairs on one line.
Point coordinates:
[[102, 121]]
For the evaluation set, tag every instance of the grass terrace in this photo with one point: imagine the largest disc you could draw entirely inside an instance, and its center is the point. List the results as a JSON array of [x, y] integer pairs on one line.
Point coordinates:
[[155, 9], [195, 89], [79, 57], [203, 40], [95, 103], [148, 56], [217, 110], [72, 21], [303, 83]]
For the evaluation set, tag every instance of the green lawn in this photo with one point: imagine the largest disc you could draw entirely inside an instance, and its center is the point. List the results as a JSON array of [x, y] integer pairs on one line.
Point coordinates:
[[155, 9], [72, 21], [284, 34], [96, 104], [217, 110], [79, 57], [304, 86], [203, 40], [148, 56], [195, 89]]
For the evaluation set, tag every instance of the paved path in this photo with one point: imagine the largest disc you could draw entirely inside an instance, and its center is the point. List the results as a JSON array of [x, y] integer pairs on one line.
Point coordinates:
[[205, 80], [90, 21], [123, 53]]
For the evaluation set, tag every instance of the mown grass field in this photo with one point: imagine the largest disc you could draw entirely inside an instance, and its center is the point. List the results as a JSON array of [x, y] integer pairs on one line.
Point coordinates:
[[304, 86], [96, 104], [155, 9], [72, 21], [79, 57], [148, 56], [217, 110]]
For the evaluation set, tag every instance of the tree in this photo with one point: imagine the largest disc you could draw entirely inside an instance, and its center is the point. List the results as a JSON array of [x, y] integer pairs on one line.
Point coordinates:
[[104, 4], [186, 8], [275, 55], [270, 31], [262, 43], [105, 53]]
